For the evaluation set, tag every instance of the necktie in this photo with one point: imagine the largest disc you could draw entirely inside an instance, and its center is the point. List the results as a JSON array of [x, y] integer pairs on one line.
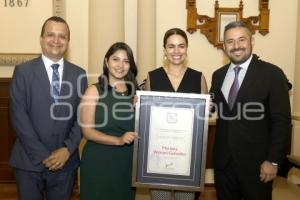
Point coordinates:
[[55, 82], [234, 87]]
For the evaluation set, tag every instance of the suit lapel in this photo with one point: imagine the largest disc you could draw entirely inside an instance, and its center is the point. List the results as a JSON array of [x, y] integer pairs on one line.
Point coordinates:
[[249, 78], [66, 80], [43, 79], [220, 82]]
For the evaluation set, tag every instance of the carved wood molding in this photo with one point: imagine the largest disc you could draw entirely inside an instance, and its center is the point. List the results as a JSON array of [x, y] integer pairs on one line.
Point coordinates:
[[7, 133], [212, 27], [296, 116], [11, 59], [59, 8]]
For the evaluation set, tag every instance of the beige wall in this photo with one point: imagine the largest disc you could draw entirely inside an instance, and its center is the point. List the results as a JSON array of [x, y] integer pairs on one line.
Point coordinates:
[[106, 26], [76, 14], [6, 71], [295, 174], [92, 32], [78, 18], [146, 47], [297, 68], [23, 38], [278, 47], [96, 24]]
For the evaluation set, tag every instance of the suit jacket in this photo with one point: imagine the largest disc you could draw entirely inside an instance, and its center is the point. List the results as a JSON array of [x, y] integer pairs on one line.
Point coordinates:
[[40, 126], [257, 127]]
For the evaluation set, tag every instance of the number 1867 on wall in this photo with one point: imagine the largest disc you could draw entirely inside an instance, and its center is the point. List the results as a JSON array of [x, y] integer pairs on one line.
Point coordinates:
[[16, 3]]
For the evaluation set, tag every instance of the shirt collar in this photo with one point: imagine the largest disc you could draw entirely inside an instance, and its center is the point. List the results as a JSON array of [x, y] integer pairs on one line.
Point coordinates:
[[244, 65], [49, 62]]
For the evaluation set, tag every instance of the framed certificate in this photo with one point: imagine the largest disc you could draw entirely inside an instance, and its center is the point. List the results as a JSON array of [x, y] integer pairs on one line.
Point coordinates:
[[171, 150]]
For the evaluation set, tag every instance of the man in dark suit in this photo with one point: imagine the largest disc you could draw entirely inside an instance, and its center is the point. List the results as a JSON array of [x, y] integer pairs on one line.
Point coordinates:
[[45, 93], [253, 123]]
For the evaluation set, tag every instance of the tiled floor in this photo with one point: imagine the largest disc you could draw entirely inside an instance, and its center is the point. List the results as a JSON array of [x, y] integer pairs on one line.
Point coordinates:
[[8, 192]]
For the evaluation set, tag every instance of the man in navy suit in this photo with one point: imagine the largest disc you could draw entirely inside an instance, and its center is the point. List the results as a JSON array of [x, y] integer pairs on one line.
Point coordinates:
[[254, 119], [45, 154]]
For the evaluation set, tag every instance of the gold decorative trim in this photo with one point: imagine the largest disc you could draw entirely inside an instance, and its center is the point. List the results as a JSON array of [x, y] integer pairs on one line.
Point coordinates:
[[12, 59], [59, 8], [296, 116]]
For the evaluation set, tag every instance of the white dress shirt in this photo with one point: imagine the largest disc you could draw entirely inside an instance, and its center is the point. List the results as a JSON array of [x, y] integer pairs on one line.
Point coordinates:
[[229, 77], [48, 63]]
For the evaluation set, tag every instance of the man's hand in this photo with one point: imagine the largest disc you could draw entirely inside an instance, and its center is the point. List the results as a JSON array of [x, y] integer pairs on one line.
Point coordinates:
[[268, 171], [57, 159]]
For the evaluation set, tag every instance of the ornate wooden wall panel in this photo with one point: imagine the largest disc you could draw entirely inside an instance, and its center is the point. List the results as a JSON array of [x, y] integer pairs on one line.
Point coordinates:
[[7, 135]]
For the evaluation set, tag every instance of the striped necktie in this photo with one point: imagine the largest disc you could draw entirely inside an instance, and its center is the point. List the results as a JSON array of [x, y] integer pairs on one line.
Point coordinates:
[[234, 87], [55, 82]]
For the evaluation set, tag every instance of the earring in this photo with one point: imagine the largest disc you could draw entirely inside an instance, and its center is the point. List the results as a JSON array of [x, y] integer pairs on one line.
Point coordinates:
[[186, 61], [165, 61]]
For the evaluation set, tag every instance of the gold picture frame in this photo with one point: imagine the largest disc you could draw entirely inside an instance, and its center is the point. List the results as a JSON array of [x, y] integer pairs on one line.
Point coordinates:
[[12, 58]]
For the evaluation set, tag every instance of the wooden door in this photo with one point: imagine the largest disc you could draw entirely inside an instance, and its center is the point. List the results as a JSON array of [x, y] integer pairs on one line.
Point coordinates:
[[7, 136]]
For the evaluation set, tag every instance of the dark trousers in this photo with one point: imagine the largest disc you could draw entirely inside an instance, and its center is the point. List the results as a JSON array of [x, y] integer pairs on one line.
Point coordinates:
[[235, 184], [44, 185]]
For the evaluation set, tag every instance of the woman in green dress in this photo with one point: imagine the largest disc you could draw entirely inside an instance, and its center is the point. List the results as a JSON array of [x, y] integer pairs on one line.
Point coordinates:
[[107, 121]]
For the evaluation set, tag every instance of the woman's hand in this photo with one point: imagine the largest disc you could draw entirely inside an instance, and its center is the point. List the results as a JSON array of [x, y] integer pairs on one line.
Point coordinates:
[[127, 138], [135, 100]]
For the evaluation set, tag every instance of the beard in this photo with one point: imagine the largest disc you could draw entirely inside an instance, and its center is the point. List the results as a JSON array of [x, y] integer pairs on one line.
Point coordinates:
[[239, 60]]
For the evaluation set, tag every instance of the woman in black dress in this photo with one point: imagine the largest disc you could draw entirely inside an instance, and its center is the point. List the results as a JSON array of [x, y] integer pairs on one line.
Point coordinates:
[[175, 76]]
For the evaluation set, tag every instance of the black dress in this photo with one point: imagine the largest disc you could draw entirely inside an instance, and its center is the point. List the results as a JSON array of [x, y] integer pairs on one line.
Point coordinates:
[[190, 83]]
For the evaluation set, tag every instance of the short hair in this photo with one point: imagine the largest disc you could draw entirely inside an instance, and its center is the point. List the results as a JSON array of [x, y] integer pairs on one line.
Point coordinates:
[[175, 31], [55, 19], [237, 24]]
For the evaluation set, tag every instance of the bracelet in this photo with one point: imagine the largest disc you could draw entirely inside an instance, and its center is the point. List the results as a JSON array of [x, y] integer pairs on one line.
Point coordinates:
[[274, 164]]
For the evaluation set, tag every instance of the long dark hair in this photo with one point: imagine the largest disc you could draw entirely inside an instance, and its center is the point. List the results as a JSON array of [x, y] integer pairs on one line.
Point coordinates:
[[130, 78]]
